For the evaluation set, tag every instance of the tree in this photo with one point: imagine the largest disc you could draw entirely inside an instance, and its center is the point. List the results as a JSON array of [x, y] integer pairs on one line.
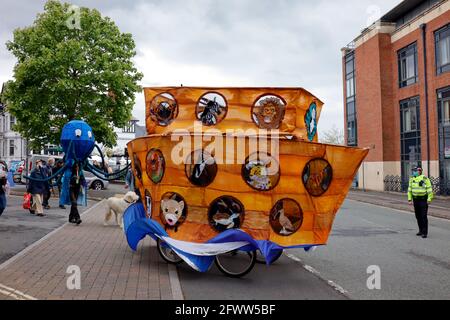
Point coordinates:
[[333, 136], [72, 63]]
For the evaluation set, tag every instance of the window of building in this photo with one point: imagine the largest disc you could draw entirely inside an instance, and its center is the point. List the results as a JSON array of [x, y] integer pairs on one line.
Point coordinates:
[[352, 135], [12, 122], [443, 49], [407, 65], [410, 136], [443, 96], [11, 148], [130, 128]]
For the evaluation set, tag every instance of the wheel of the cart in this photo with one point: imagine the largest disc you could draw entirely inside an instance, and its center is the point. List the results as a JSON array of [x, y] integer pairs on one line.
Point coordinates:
[[260, 259], [168, 254], [236, 264]]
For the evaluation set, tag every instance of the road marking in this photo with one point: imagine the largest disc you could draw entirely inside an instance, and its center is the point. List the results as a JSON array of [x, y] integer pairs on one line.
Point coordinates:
[[310, 269], [13, 293]]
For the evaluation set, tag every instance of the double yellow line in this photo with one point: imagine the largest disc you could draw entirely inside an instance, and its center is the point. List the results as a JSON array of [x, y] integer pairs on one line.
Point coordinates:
[[15, 294]]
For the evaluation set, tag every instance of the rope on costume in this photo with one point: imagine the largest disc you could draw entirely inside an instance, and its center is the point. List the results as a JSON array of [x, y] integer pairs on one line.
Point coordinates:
[[49, 178], [91, 169]]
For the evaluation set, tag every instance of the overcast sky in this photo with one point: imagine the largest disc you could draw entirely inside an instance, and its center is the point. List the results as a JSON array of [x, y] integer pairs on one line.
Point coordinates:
[[228, 42]]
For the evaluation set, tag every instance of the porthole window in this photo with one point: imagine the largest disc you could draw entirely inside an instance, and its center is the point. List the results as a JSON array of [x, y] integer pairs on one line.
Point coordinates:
[[286, 217], [311, 121], [137, 167], [268, 112], [155, 165], [261, 171], [173, 210], [148, 203], [211, 108], [226, 213], [201, 168], [317, 177], [164, 109]]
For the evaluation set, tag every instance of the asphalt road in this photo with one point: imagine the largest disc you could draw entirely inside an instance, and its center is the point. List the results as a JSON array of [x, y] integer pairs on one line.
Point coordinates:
[[364, 235]]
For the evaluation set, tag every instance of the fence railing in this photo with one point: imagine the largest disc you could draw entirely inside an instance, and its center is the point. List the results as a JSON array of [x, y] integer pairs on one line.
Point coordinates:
[[398, 184]]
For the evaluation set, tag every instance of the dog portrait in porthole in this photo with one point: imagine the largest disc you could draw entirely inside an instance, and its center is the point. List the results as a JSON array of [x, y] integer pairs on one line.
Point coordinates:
[[173, 210]]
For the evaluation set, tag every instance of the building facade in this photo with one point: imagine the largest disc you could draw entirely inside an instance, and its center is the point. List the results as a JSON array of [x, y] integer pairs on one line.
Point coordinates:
[[397, 95]]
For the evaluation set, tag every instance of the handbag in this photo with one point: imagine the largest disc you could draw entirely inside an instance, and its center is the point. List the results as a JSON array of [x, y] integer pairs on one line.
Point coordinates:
[[27, 201]]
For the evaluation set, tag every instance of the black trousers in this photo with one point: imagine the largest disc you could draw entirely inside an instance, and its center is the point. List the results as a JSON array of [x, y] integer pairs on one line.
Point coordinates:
[[74, 214], [46, 198], [421, 210]]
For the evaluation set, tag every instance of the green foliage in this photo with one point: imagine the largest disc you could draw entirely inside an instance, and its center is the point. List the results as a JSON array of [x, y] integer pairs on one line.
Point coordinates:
[[65, 73]]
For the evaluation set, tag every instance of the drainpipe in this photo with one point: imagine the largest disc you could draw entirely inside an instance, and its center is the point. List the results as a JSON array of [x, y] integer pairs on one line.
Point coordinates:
[[424, 41]]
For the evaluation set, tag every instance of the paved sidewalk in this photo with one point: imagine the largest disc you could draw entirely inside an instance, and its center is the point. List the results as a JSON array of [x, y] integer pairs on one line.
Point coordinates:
[[440, 207], [109, 268]]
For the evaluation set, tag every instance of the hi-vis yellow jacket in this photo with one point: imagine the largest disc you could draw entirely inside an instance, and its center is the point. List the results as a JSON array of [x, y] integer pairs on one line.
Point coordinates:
[[420, 187]]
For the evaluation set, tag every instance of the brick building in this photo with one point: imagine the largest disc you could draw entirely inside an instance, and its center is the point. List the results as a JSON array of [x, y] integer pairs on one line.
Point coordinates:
[[397, 94]]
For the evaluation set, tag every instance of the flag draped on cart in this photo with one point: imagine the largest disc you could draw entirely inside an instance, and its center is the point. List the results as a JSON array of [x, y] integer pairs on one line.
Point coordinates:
[[199, 256]]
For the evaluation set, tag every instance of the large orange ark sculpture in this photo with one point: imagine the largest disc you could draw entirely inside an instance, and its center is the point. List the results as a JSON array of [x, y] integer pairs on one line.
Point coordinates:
[[217, 159]]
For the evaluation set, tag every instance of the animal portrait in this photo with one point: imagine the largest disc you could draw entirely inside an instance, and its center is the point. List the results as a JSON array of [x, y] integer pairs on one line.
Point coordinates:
[[163, 109], [211, 109], [268, 112], [201, 168], [172, 210], [261, 171], [155, 165], [286, 217], [226, 213], [317, 177]]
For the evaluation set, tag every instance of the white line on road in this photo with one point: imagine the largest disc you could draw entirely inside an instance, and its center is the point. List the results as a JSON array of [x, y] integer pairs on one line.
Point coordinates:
[[13, 293], [310, 269]]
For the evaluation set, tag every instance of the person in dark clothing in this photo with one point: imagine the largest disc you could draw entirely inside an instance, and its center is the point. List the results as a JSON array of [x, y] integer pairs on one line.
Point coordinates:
[[77, 182], [37, 188], [2, 192], [48, 169], [56, 168]]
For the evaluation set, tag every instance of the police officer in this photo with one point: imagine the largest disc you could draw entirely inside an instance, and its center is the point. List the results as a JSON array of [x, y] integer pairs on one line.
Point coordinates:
[[420, 192]]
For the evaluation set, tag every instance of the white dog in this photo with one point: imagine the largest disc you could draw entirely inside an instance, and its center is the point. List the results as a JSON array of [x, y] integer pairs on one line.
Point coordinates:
[[118, 206]]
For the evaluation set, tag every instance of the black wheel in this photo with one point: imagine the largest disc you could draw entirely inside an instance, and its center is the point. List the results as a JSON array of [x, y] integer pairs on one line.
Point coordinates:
[[260, 259], [168, 254], [97, 185], [236, 264]]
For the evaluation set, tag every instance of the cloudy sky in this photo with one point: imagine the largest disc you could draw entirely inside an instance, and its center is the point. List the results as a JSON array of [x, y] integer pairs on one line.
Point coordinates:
[[228, 42]]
